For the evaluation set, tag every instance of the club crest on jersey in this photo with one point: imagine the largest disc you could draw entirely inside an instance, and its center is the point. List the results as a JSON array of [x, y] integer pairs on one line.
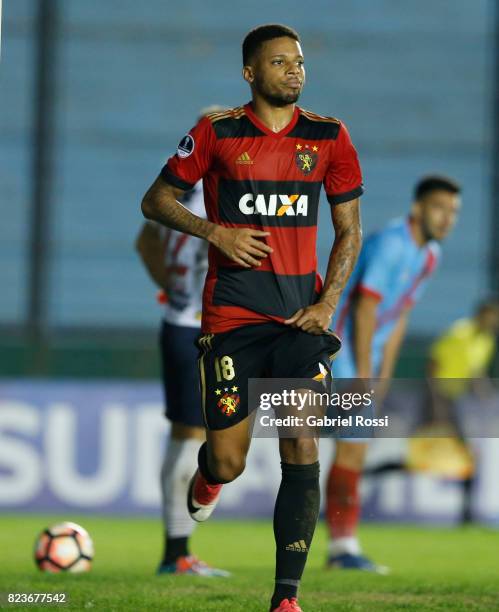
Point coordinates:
[[229, 403], [306, 161], [274, 205], [185, 146]]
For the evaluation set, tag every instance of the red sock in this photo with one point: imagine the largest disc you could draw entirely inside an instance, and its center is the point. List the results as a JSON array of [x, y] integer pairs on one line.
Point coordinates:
[[343, 502], [205, 493]]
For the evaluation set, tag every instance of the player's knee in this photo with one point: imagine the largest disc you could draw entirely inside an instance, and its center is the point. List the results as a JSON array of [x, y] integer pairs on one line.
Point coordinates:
[[299, 450], [227, 468], [351, 455]]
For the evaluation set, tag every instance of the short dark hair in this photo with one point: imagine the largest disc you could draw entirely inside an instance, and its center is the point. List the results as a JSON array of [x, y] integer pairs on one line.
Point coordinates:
[[435, 182], [256, 37]]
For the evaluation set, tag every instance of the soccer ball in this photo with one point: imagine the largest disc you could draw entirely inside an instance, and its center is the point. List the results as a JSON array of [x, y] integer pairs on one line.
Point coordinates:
[[65, 547]]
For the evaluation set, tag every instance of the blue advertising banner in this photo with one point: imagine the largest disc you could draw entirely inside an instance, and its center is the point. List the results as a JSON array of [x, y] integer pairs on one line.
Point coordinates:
[[98, 446]]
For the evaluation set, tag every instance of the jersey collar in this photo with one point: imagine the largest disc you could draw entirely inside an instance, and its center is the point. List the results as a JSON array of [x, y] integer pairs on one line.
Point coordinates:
[[261, 126]]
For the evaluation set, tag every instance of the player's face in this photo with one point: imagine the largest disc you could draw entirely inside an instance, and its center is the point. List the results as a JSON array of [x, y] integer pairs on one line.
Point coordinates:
[[277, 73], [438, 212], [489, 319]]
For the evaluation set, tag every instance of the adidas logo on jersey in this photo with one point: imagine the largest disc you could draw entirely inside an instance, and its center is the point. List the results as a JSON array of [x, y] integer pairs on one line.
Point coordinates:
[[298, 546], [244, 158], [275, 206]]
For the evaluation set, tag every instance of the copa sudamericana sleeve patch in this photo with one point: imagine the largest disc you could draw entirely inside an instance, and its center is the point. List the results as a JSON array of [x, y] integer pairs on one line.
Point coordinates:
[[193, 157], [186, 146]]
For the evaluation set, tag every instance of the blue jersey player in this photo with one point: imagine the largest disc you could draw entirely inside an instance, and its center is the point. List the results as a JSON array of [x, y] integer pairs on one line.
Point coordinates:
[[390, 277]]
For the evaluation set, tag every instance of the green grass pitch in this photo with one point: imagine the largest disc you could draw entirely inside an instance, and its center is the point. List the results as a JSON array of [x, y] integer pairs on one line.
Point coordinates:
[[432, 569]]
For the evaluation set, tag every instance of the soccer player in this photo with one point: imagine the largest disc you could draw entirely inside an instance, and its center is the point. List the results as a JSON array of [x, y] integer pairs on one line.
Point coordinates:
[[177, 264], [466, 349], [459, 363], [265, 310], [389, 278]]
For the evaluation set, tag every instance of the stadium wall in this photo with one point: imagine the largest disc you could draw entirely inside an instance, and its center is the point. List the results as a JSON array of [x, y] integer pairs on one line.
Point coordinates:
[[412, 81]]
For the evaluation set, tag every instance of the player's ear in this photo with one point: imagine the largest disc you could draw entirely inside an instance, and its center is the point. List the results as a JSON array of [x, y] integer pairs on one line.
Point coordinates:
[[248, 74], [416, 209]]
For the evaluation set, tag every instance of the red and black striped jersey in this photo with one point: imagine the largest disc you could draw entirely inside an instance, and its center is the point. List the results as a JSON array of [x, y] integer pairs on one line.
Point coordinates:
[[253, 177]]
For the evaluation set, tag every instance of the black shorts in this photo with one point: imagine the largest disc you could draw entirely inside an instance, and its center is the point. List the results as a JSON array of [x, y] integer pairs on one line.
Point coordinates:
[[266, 350], [179, 374]]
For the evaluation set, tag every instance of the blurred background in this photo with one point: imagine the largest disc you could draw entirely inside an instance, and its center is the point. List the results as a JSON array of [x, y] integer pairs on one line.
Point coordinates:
[[94, 98]]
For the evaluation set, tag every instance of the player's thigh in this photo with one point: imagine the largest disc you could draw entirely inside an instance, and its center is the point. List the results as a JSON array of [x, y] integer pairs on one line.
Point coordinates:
[[226, 362], [299, 445], [304, 356], [230, 445]]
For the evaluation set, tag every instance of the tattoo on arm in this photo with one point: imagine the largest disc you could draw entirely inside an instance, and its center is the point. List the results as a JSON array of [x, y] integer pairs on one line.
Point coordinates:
[[346, 248], [161, 204]]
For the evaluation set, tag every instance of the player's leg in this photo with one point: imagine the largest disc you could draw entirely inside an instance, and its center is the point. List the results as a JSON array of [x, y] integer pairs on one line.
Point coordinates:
[[467, 486], [295, 514], [221, 459], [343, 486], [342, 490], [179, 373], [468, 483], [226, 362], [343, 506], [179, 460], [343, 499], [297, 355]]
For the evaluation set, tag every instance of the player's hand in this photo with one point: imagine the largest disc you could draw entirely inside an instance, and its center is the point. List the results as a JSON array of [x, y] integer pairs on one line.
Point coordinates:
[[244, 245], [313, 319]]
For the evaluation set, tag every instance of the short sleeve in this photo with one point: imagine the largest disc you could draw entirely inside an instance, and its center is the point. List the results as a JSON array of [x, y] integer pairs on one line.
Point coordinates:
[[343, 180], [382, 258], [193, 157]]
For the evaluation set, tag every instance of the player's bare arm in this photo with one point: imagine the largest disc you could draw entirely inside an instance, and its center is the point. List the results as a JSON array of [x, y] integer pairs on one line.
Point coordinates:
[[392, 347], [390, 355], [316, 319], [244, 246], [346, 249], [150, 246], [161, 204], [365, 325]]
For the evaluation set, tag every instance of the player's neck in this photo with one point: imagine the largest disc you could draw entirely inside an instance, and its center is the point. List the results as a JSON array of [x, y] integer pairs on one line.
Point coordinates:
[[417, 232], [276, 118]]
